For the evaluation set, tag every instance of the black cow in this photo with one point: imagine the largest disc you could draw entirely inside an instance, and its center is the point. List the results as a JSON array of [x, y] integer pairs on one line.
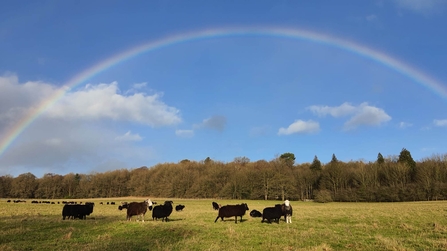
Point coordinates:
[[255, 213], [162, 211], [136, 208], [232, 210], [77, 211], [272, 213], [179, 207]]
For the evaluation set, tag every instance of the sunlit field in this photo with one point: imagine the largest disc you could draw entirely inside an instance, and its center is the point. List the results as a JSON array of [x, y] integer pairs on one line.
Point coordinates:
[[315, 226]]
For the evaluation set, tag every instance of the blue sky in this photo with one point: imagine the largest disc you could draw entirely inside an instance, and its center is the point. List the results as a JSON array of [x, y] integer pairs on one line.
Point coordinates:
[[223, 97]]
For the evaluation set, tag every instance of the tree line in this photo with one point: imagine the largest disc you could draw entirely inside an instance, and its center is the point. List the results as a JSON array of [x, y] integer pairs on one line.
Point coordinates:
[[391, 179]]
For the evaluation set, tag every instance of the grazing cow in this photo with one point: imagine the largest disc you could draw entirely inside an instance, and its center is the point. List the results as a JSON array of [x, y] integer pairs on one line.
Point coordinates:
[[8, 201], [287, 211], [215, 206], [162, 211], [255, 213], [272, 213], [112, 203], [136, 208], [232, 210], [179, 208], [77, 211]]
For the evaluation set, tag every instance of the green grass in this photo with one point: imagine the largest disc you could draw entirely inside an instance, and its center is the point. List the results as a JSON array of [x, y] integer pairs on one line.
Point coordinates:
[[332, 226]]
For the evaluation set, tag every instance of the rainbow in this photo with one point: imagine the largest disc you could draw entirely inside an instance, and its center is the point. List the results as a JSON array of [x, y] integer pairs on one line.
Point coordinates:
[[82, 77]]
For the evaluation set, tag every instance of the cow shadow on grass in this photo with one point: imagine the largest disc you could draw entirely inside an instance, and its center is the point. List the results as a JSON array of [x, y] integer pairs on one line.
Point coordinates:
[[176, 219], [115, 218], [231, 220]]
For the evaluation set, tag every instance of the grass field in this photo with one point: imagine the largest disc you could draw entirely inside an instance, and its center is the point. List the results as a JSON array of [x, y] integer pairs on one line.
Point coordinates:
[[315, 226]]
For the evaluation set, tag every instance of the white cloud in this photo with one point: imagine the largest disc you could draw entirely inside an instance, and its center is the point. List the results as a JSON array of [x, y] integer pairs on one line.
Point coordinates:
[[18, 99], [363, 114], [367, 115], [73, 135], [215, 123], [440, 122], [128, 136], [422, 6], [93, 102], [103, 101], [184, 133], [404, 125], [300, 126]]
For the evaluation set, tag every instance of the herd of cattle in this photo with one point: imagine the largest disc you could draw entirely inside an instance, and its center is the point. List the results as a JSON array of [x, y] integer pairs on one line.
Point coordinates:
[[269, 214], [163, 211], [74, 210]]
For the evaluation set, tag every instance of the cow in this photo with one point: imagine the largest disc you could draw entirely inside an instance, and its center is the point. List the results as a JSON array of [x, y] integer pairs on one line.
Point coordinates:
[[136, 208], [232, 210], [215, 206], [162, 211], [287, 211], [179, 208], [77, 211], [272, 213], [255, 213]]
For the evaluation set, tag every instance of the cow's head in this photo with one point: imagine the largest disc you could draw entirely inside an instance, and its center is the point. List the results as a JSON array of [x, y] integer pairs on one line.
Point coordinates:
[[149, 204]]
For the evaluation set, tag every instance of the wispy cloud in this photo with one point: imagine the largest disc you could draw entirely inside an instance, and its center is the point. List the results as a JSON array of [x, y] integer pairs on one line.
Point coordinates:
[[440, 122], [335, 111], [128, 136], [300, 126], [371, 17], [404, 125], [422, 6], [139, 85], [184, 133], [362, 114], [259, 131], [215, 123]]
